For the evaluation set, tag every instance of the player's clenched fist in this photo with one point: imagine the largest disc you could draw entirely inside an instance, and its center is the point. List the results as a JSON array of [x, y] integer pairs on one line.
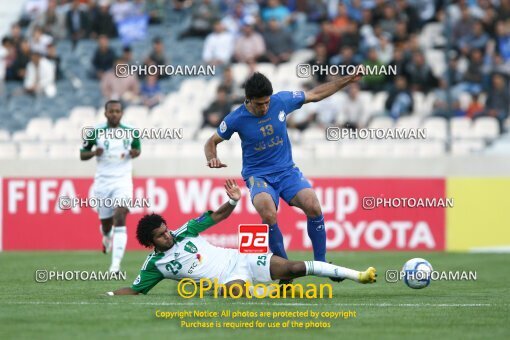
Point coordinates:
[[215, 163]]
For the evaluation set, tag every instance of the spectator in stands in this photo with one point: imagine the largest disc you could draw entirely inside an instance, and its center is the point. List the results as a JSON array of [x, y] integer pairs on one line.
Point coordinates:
[[401, 35], [375, 82], [463, 27], [203, 16], [389, 20], [9, 58], [477, 39], [219, 108], [122, 9], [156, 11], [384, 49], [400, 61], [475, 108], [279, 43], [408, 16], [342, 20], [474, 76], [345, 57], [400, 101], [104, 57], [16, 36], [218, 46], [151, 91], [20, 63], [329, 37], [249, 46], [320, 59], [352, 112], [126, 89], [350, 36], [498, 102], [276, 11], [235, 93], [316, 10], [39, 41], [51, 55], [40, 76], [51, 21], [102, 23], [77, 22], [234, 21], [127, 55], [420, 74], [503, 40]]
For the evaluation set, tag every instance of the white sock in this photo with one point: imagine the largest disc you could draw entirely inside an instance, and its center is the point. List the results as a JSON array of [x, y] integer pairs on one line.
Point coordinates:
[[324, 269], [119, 245]]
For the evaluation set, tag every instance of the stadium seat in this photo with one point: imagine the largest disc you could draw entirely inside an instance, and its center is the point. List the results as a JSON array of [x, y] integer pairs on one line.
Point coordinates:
[[4, 135], [8, 150], [431, 148], [437, 62], [381, 122], [404, 148], [486, 127], [460, 127], [314, 134], [408, 122], [499, 147], [83, 115], [63, 151], [38, 126], [266, 69], [463, 147], [204, 134], [22, 136], [32, 150], [302, 56], [464, 100], [240, 72], [437, 128], [376, 106], [325, 150]]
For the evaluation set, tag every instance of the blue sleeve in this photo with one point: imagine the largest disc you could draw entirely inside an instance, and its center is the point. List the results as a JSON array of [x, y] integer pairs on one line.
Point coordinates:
[[227, 127], [292, 100]]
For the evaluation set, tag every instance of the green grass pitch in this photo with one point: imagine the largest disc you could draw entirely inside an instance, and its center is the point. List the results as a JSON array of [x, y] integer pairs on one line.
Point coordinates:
[[444, 310]]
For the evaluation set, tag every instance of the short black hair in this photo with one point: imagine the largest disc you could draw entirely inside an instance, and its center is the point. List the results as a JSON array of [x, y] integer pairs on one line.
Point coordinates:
[[112, 101], [145, 227], [258, 86]]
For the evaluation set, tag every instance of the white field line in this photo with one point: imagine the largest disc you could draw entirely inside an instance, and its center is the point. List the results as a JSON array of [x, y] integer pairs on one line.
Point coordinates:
[[384, 305]]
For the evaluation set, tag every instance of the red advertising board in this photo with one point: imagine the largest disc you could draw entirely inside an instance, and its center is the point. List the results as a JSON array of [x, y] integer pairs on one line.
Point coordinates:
[[32, 219]]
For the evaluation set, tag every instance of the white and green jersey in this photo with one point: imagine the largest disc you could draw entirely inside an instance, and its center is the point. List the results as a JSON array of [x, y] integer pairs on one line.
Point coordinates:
[[190, 257], [115, 163]]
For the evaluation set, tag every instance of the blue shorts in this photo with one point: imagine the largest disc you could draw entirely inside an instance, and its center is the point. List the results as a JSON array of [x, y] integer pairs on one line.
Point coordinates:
[[284, 184]]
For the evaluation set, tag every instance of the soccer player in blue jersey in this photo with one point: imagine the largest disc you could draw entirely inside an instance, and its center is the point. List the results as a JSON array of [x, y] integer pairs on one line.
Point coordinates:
[[268, 168]]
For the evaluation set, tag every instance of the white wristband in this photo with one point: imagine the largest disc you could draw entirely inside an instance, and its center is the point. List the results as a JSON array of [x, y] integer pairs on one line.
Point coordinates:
[[232, 202]]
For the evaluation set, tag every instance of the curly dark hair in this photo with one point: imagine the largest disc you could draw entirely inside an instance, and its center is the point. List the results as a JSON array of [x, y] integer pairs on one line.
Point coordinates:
[[145, 227], [258, 86]]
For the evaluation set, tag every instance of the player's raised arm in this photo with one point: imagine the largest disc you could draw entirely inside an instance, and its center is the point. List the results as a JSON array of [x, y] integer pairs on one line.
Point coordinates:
[[325, 90], [234, 193], [210, 150]]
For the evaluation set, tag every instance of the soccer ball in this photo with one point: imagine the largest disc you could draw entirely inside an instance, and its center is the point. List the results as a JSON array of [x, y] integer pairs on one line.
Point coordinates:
[[416, 273]]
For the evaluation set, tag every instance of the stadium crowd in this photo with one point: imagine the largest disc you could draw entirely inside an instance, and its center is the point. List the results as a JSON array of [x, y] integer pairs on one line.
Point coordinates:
[[350, 32]]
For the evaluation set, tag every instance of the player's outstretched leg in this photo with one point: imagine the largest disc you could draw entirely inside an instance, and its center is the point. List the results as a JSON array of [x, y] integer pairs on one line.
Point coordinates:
[[307, 201], [119, 238], [266, 208], [284, 269]]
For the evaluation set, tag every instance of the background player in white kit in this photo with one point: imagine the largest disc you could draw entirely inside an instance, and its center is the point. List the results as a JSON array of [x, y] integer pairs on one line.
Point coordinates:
[[113, 177], [183, 253]]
